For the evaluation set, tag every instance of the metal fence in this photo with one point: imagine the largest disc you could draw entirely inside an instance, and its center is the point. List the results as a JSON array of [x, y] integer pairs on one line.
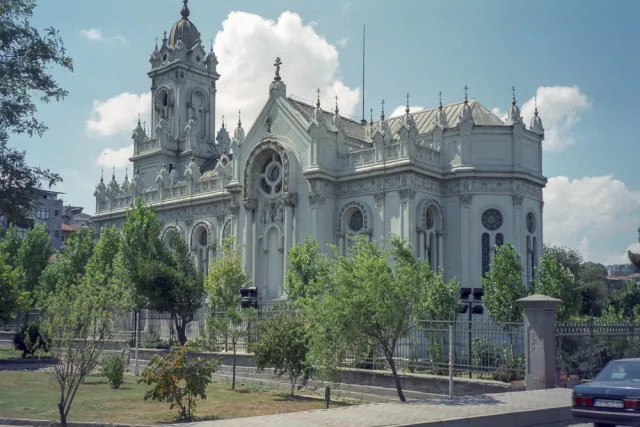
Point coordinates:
[[584, 348]]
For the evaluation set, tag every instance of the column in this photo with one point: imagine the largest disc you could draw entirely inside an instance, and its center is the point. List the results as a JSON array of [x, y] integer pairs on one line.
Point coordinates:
[[540, 340], [341, 243], [290, 200], [421, 244], [406, 195], [518, 233], [247, 235], [465, 237], [439, 236]]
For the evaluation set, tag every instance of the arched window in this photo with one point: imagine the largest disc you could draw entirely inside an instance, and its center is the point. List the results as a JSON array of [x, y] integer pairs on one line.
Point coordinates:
[[226, 231], [532, 242], [271, 176], [492, 220], [429, 234], [534, 260], [486, 253], [353, 219]]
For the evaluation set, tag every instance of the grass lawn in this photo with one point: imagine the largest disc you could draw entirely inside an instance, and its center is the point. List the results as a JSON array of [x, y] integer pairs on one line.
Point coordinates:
[[35, 395], [10, 353]]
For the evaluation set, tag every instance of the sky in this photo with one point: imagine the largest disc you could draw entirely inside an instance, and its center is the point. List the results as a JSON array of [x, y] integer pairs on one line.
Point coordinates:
[[578, 57]]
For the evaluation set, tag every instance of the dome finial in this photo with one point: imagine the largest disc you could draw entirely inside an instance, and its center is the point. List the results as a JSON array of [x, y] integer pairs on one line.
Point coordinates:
[[382, 110], [337, 111], [440, 100], [139, 120], [318, 101], [102, 175], [466, 100], [407, 109], [223, 121], [185, 10], [239, 118], [513, 92], [535, 104], [370, 116]]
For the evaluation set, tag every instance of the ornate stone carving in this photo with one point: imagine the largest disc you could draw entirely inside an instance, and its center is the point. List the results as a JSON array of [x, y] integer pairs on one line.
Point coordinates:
[[220, 219], [466, 199], [514, 186], [234, 209], [424, 210], [290, 199], [517, 200], [388, 183], [407, 194], [250, 204], [379, 198], [272, 211], [210, 233], [365, 214], [316, 199]]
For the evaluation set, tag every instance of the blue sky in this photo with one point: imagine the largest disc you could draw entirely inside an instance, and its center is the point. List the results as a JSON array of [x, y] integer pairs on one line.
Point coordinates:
[[579, 57]]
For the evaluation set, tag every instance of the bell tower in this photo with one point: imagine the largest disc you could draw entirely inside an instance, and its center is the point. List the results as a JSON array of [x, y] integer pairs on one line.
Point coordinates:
[[183, 94]]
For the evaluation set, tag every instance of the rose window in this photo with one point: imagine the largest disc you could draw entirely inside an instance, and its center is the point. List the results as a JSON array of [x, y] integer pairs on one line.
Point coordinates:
[[271, 176], [356, 220], [492, 219]]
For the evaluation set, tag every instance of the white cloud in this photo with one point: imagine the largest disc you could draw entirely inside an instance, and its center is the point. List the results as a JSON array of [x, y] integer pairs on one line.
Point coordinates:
[[343, 42], [96, 35], [93, 34], [118, 157], [246, 48], [622, 258], [560, 108], [592, 209], [400, 109], [118, 114]]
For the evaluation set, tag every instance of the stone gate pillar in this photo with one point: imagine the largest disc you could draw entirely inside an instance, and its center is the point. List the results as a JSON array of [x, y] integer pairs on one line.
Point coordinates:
[[540, 340]]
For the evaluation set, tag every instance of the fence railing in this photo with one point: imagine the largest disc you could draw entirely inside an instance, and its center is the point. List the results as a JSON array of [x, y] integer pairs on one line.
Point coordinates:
[[584, 348]]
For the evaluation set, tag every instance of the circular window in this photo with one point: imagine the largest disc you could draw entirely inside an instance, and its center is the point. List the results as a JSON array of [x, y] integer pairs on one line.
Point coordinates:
[[271, 176], [198, 58], [428, 220], [492, 219], [531, 222], [273, 173], [356, 221]]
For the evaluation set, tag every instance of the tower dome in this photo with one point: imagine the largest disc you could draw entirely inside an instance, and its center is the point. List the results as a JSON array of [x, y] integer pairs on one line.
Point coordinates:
[[184, 30]]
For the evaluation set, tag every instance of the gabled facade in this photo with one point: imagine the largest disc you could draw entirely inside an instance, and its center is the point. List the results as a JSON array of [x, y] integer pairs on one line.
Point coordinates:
[[454, 180]]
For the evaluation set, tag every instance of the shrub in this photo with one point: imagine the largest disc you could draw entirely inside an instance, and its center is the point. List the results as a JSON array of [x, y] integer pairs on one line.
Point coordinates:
[[484, 354], [113, 369], [512, 369], [29, 340], [178, 380]]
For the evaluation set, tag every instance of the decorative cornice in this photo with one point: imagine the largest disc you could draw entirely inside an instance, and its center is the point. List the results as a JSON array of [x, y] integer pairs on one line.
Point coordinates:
[[509, 186], [407, 194], [234, 209], [250, 205], [290, 199], [379, 198], [316, 199]]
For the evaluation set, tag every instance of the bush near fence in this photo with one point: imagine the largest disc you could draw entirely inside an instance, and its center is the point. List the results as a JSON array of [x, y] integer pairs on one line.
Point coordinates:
[[584, 348]]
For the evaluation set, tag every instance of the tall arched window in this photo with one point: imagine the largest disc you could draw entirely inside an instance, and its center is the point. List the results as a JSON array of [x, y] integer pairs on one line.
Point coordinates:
[[532, 243], [492, 220], [429, 234]]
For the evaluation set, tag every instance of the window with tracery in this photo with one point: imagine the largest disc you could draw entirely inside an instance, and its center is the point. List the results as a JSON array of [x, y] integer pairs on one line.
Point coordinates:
[[226, 231], [271, 176], [531, 223], [356, 221], [486, 253], [499, 239], [492, 219]]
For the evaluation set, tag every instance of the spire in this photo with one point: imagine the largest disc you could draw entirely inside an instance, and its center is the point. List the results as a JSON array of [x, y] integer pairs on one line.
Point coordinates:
[[126, 173], [139, 124], [164, 38], [239, 132], [466, 101], [440, 100], [382, 111], [536, 121], [102, 175], [318, 101], [223, 122], [337, 110], [407, 109], [318, 114], [337, 120], [239, 118], [514, 112], [466, 114], [513, 92], [211, 44], [185, 10], [113, 177], [441, 116]]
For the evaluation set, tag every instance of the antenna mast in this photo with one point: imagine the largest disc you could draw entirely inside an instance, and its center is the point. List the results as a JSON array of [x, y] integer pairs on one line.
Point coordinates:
[[364, 29]]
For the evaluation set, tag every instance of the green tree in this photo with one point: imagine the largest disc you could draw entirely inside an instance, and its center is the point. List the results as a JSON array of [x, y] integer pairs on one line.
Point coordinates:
[[503, 285], [10, 243], [627, 299], [306, 265], [12, 299], [367, 298], [567, 257], [283, 345], [226, 277], [26, 60], [634, 258], [555, 280], [69, 266], [232, 327], [33, 256], [594, 290], [442, 299]]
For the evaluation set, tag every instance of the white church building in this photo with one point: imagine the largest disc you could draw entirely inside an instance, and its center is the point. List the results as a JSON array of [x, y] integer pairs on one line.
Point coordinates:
[[453, 180]]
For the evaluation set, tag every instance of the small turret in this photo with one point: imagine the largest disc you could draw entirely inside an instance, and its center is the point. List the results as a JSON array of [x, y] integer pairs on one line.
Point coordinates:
[[238, 134], [318, 114], [536, 121], [337, 119], [514, 112], [466, 114], [441, 116]]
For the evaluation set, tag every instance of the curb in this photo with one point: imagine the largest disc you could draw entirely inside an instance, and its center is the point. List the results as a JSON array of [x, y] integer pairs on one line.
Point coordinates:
[[29, 361], [51, 423]]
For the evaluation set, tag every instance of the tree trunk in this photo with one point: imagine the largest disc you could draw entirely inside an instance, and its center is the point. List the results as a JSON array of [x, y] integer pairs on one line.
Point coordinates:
[[233, 378], [396, 378], [293, 384], [181, 329], [63, 417]]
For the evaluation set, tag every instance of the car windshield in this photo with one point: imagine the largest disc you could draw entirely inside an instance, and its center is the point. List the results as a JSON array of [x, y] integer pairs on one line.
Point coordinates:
[[620, 371]]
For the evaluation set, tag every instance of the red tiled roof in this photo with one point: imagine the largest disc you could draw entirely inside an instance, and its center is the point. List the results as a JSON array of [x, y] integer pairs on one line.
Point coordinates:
[[68, 227]]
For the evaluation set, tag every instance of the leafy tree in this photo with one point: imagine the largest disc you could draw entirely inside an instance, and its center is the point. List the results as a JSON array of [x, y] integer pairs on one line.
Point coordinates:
[[594, 290], [503, 285], [26, 59], [567, 257], [555, 280], [368, 297], [10, 244], [442, 299], [226, 277], [627, 299], [633, 257], [33, 256], [68, 267], [12, 299], [306, 265], [77, 323], [283, 345], [179, 380], [232, 327]]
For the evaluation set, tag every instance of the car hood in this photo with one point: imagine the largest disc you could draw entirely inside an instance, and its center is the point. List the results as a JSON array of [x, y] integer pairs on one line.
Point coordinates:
[[610, 388]]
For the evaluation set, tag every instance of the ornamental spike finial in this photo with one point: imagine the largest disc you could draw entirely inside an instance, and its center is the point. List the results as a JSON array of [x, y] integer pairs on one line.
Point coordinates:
[[337, 110], [239, 119], [370, 116], [223, 121], [466, 100], [318, 100], [185, 10], [513, 92], [440, 100], [382, 110], [535, 103], [102, 175], [407, 109]]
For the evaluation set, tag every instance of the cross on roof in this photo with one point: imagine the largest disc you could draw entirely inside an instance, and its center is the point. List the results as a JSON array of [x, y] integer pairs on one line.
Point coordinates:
[[277, 64], [407, 99], [513, 92], [465, 91], [440, 97], [318, 101]]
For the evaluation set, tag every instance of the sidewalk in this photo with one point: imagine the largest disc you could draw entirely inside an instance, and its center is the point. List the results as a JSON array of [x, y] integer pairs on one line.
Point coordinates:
[[515, 409]]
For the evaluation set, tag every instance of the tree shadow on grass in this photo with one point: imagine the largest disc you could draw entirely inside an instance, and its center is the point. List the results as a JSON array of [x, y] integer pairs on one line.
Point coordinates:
[[458, 401], [193, 420], [302, 398]]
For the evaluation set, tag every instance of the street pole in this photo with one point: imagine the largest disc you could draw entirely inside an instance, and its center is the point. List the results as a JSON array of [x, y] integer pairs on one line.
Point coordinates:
[[135, 362], [451, 361]]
